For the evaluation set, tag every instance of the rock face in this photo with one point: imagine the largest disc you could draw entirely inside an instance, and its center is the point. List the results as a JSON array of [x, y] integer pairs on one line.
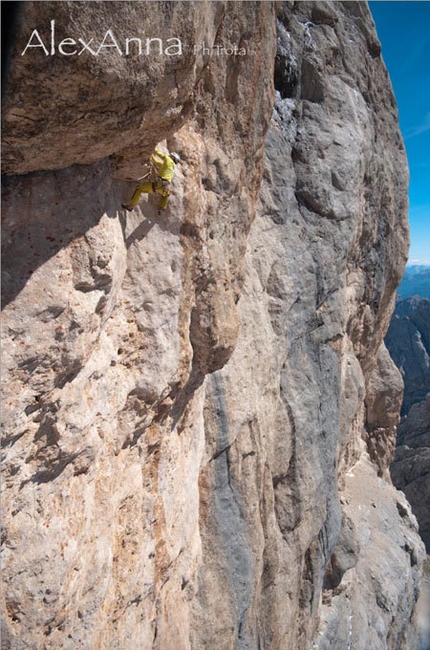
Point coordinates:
[[199, 410], [410, 470], [408, 340]]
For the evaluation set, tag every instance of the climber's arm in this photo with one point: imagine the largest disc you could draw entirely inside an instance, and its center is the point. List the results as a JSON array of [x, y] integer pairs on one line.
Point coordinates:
[[158, 158]]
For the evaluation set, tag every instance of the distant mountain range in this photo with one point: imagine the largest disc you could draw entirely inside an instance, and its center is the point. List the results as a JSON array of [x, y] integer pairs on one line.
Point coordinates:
[[416, 282]]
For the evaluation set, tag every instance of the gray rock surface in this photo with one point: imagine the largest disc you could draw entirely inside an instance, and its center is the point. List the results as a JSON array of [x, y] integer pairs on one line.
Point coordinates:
[[423, 607], [111, 321], [408, 341], [310, 380], [410, 470], [195, 403], [383, 402]]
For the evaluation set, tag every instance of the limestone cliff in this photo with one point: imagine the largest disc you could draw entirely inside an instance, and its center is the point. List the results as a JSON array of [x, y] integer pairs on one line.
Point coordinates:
[[199, 410], [411, 467], [408, 340]]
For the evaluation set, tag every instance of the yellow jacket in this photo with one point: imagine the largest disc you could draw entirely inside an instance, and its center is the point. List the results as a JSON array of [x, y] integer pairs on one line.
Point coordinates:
[[164, 164]]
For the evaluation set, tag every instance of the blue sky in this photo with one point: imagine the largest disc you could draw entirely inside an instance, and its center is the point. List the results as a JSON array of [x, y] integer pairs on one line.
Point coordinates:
[[404, 31]]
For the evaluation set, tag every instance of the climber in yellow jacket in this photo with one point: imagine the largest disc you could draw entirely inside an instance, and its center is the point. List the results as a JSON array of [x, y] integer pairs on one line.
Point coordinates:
[[165, 165]]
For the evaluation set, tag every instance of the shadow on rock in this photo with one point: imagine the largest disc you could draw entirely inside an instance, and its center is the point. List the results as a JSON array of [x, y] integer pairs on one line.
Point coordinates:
[[43, 212]]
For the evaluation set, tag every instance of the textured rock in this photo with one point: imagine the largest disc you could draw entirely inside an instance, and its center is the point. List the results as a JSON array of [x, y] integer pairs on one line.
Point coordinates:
[[187, 397], [376, 577], [383, 402], [408, 340], [410, 470], [64, 110], [423, 606], [111, 323], [298, 511]]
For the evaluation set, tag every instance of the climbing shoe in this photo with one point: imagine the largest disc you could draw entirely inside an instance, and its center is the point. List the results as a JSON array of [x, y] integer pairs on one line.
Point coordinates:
[[127, 206]]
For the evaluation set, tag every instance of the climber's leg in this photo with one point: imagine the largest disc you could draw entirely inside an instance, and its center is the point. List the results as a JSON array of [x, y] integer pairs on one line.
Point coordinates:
[[163, 189], [146, 188], [164, 200]]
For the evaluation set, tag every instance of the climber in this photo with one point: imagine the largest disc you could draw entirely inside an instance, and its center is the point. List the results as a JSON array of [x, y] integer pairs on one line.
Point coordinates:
[[165, 165]]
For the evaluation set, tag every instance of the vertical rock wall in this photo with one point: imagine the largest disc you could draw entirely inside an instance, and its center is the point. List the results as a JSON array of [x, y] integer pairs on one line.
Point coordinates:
[[299, 518], [188, 397], [112, 321], [408, 340]]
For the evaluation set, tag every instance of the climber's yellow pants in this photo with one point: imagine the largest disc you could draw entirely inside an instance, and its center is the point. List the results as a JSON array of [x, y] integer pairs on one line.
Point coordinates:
[[160, 186]]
